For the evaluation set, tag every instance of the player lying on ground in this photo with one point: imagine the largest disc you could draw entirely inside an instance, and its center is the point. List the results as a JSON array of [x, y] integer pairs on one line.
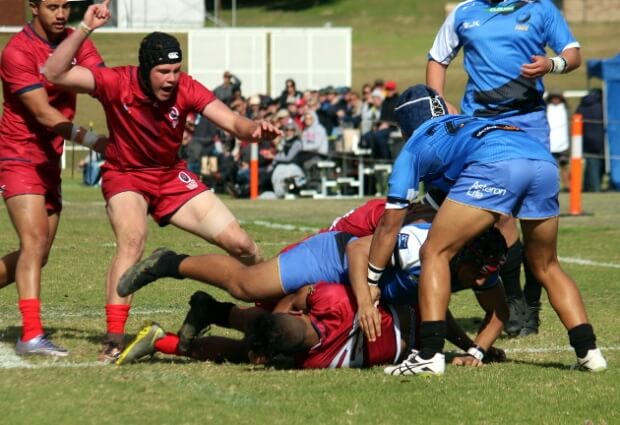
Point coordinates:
[[490, 169], [316, 326]]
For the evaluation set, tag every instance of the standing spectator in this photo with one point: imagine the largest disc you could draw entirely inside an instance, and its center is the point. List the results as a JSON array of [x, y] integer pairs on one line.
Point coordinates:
[[290, 93], [146, 109], [591, 107], [389, 103], [224, 91], [559, 142], [371, 111], [505, 60], [36, 119]]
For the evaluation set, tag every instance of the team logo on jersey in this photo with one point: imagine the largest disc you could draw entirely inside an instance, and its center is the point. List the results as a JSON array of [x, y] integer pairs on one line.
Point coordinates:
[[174, 116], [521, 27], [470, 25], [478, 190], [403, 240], [524, 17], [494, 127], [187, 180]]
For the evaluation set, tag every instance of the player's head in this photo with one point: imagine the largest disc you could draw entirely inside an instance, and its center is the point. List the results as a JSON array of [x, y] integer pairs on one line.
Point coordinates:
[[160, 59], [482, 257], [416, 105], [275, 334], [50, 16]]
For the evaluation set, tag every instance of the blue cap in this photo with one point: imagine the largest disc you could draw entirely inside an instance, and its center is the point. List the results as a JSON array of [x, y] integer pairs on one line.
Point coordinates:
[[416, 105]]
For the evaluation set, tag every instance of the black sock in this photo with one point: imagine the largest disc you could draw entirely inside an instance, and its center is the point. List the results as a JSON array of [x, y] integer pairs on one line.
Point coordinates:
[[221, 313], [170, 267], [511, 271], [582, 339], [532, 290], [432, 338]]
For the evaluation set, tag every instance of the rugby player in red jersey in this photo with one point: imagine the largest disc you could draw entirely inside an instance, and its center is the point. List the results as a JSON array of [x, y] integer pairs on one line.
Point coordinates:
[[36, 119], [146, 109]]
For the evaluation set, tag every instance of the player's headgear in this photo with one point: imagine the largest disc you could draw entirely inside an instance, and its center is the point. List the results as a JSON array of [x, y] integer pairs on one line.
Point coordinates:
[[487, 250], [416, 105], [155, 49]]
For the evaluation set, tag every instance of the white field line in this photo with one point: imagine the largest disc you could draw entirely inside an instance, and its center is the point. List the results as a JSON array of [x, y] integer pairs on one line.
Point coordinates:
[[10, 360], [584, 262]]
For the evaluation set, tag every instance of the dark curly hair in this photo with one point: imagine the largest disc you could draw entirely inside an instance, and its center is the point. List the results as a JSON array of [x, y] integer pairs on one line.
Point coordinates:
[[273, 334]]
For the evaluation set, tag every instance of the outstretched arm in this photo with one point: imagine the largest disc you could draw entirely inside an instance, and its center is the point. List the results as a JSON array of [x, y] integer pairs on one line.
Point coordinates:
[[240, 126], [58, 69]]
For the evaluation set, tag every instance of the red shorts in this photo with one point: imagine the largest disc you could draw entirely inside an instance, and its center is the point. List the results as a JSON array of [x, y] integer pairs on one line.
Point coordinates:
[[24, 178], [165, 190]]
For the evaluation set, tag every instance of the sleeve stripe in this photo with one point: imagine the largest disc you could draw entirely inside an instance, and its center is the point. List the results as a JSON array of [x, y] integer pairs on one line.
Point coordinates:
[[28, 88]]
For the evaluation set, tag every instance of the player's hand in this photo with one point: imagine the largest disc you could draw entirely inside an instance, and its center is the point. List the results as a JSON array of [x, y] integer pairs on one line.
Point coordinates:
[[466, 360], [375, 294], [370, 321], [266, 131], [97, 14], [539, 66], [495, 355], [452, 110]]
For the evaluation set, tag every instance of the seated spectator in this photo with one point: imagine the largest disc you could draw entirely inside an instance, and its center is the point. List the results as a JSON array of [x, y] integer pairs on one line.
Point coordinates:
[[591, 107], [254, 111], [389, 103], [315, 145], [91, 168], [191, 150], [286, 166], [371, 111], [290, 94], [224, 91]]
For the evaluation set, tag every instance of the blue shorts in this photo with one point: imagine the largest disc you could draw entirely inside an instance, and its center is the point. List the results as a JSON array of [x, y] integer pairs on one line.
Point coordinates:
[[535, 124], [524, 188], [320, 258]]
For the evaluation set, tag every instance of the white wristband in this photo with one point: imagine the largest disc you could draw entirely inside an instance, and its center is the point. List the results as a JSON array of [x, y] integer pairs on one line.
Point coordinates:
[[476, 353], [558, 65], [374, 274]]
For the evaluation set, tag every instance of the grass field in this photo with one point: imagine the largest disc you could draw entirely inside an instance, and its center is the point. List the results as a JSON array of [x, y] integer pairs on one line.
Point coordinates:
[[534, 387]]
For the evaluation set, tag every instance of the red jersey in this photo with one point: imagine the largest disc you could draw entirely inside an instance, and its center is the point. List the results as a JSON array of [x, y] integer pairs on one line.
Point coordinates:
[[145, 133], [332, 310], [361, 221], [22, 138]]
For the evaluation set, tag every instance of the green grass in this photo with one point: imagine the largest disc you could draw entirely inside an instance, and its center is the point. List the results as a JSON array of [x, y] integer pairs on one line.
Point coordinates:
[[532, 388]]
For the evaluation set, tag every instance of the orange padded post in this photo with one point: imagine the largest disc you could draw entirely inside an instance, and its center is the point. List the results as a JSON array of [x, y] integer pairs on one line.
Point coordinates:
[[576, 165], [254, 171]]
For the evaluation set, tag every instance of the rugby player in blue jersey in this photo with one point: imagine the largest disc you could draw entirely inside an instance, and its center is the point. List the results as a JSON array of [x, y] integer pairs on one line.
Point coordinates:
[[491, 169], [504, 56]]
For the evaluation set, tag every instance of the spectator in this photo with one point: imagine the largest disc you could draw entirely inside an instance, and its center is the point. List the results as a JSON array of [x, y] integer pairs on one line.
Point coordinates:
[[591, 107], [389, 103], [286, 166], [254, 108], [559, 142], [315, 144], [224, 91], [290, 93], [371, 111], [191, 149]]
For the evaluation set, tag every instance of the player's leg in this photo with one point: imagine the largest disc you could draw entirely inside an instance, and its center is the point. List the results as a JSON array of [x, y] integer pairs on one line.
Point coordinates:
[[540, 237], [127, 212], [205, 215], [511, 275], [454, 225], [36, 230]]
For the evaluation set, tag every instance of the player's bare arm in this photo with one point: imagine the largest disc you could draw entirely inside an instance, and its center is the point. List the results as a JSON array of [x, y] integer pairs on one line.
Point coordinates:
[[58, 69], [242, 127], [436, 79], [369, 317], [542, 65]]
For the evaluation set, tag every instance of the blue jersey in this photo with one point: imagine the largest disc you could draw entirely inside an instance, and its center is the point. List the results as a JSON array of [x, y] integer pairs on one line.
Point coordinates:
[[441, 148], [497, 39], [322, 258]]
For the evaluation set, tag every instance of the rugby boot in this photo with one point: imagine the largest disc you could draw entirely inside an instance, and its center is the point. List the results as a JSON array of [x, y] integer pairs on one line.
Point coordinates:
[[154, 267], [142, 345], [198, 319]]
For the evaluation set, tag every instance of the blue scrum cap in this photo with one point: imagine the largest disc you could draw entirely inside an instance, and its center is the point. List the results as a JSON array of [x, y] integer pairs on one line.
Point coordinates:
[[416, 105]]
